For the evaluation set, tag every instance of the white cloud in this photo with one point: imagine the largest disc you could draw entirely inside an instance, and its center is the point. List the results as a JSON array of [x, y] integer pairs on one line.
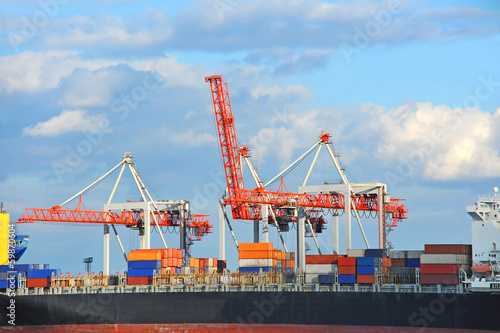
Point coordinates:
[[192, 139], [67, 121], [291, 92], [439, 142]]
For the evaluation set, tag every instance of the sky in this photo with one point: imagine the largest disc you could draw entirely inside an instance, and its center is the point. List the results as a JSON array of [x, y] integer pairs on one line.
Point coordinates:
[[408, 90]]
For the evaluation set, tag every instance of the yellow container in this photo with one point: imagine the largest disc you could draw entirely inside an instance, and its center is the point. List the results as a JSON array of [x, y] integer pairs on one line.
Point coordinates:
[[4, 239]]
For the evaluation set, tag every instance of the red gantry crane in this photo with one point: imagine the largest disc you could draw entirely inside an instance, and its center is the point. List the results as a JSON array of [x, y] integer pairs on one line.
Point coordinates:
[[247, 204]]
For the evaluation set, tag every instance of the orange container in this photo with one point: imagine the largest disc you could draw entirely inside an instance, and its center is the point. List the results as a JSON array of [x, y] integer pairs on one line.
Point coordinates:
[[347, 261], [164, 263], [255, 246], [36, 283], [138, 280], [362, 278], [196, 262], [256, 254], [350, 270], [143, 255], [292, 263], [179, 262], [275, 262], [179, 253], [386, 262]]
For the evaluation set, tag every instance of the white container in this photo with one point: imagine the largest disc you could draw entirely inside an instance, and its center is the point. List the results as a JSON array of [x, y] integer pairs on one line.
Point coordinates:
[[414, 254], [448, 259], [397, 254], [321, 268], [311, 278], [356, 252], [256, 262]]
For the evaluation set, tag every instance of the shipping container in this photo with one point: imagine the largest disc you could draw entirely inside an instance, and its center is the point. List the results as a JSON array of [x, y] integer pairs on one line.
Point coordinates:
[[369, 261], [347, 278], [366, 278], [311, 278], [138, 256], [448, 249], [367, 270], [347, 261], [143, 272], [256, 254], [5, 268], [256, 262], [347, 270], [139, 280], [244, 270], [326, 279], [413, 262], [144, 264], [459, 259], [255, 247], [321, 269], [22, 267], [3, 283], [356, 252], [37, 282], [322, 259], [438, 278], [414, 254], [397, 254], [379, 253], [42, 273], [398, 262], [439, 269]]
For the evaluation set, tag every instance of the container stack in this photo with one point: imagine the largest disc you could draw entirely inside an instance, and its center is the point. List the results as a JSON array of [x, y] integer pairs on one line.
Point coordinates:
[[142, 265], [403, 266], [37, 275], [171, 261], [256, 257], [441, 263], [321, 268], [347, 270], [368, 268], [221, 266]]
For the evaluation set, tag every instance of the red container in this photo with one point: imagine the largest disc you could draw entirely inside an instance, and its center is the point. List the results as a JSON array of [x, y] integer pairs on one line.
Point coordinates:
[[347, 270], [138, 280], [314, 259], [347, 261], [36, 283], [438, 279], [386, 262], [362, 278], [448, 249], [398, 262], [439, 269]]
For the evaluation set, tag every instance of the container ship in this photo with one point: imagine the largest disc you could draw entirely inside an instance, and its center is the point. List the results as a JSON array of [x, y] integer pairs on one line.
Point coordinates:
[[442, 287]]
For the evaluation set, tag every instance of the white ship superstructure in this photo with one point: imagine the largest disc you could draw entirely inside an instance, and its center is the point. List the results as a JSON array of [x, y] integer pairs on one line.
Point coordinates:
[[486, 241]]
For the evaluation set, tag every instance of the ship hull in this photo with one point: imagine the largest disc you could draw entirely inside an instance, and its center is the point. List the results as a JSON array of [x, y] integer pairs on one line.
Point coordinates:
[[452, 311]]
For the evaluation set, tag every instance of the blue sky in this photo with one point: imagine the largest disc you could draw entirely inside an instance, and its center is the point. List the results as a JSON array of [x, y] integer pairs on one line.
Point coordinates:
[[409, 90]]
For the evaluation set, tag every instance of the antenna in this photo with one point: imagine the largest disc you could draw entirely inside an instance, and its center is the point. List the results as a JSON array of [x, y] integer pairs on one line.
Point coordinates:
[[88, 263]]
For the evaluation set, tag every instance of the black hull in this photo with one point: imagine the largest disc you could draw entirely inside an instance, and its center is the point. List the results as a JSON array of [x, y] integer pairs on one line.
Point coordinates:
[[460, 311]]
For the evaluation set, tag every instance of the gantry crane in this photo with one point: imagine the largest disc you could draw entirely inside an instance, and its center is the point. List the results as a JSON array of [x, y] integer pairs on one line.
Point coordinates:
[[255, 204], [136, 215]]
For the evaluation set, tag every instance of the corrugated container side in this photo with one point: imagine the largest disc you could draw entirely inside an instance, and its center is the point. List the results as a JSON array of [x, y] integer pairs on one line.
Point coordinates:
[[438, 278], [256, 262], [347, 261], [4, 268], [311, 277], [356, 252], [145, 264], [41, 273], [37, 282], [366, 270], [138, 256], [139, 280], [413, 262], [414, 254], [347, 270], [143, 272], [326, 279], [322, 258], [368, 261], [397, 254], [266, 254], [22, 267], [398, 262], [3, 283], [244, 270], [347, 278], [448, 249], [255, 246], [460, 259], [380, 253], [321, 269], [439, 269], [366, 278]]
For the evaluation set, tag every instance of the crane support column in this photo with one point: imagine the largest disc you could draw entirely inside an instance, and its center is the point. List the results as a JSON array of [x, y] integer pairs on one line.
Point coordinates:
[[347, 217], [222, 232], [265, 224], [301, 241], [105, 258], [145, 239], [381, 215], [256, 231], [335, 230]]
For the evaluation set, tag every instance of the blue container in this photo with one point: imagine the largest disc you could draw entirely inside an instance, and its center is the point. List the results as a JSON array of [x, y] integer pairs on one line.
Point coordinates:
[[178, 271], [326, 279], [144, 264], [23, 268], [143, 271], [38, 266], [344, 278], [366, 270], [256, 269], [5, 268], [3, 284], [42, 273], [369, 261], [379, 253], [413, 262]]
